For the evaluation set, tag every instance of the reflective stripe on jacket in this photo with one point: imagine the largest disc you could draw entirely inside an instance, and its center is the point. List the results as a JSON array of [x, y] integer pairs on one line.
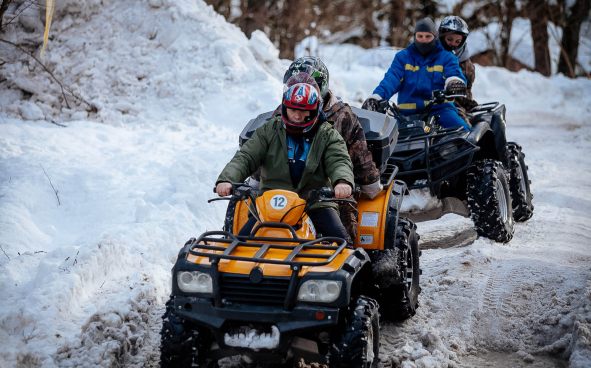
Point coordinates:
[[414, 76]]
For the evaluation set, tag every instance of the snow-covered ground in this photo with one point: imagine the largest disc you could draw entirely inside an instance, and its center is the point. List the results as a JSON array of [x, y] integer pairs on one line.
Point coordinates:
[[92, 214]]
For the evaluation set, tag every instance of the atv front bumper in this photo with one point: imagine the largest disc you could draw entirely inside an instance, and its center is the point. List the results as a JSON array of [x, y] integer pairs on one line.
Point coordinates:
[[302, 320]]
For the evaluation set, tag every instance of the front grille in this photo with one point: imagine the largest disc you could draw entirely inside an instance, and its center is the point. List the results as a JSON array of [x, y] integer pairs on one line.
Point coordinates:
[[239, 289]]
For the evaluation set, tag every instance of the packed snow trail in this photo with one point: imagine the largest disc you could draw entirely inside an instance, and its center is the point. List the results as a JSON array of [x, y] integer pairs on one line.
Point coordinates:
[[84, 280]]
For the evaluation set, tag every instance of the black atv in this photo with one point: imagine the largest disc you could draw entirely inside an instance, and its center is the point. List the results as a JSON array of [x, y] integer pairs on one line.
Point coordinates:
[[476, 173]]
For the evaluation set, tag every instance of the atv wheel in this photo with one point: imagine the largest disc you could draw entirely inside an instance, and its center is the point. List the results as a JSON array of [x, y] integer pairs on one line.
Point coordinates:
[[398, 287], [180, 344], [489, 200], [521, 196], [359, 345]]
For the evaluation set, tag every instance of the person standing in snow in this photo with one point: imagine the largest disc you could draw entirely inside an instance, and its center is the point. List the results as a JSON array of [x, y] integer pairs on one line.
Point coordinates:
[[296, 150], [340, 115], [417, 71], [453, 33]]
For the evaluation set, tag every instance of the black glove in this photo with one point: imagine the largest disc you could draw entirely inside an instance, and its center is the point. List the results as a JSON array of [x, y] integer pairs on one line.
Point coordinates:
[[371, 104], [456, 88]]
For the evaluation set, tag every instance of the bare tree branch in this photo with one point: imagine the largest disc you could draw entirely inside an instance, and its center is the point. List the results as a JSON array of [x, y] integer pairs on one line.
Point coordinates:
[[21, 10], [4, 253], [91, 107], [58, 124], [52, 187]]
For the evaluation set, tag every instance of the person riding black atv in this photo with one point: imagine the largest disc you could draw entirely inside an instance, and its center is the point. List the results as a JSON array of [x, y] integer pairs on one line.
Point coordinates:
[[474, 173], [281, 293]]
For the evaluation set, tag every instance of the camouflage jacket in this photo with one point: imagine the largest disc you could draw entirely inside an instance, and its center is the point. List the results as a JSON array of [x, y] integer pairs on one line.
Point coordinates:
[[347, 124], [469, 72], [340, 115]]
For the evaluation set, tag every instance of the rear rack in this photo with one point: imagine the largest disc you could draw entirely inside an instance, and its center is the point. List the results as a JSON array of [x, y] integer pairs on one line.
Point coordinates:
[[388, 174], [436, 169]]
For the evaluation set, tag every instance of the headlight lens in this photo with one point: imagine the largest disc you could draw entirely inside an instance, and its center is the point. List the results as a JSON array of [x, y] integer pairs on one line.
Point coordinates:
[[194, 282], [448, 150], [324, 291]]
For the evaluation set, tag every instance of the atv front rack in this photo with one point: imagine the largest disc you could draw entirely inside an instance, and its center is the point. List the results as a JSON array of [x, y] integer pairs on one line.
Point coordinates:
[[202, 247], [251, 293], [436, 161]]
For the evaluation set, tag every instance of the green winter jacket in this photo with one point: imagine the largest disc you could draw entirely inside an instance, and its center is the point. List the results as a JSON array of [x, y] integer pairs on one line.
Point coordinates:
[[328, 160]]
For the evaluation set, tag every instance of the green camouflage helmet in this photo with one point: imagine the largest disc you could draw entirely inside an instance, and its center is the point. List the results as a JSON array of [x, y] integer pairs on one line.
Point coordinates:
[[314, 67]]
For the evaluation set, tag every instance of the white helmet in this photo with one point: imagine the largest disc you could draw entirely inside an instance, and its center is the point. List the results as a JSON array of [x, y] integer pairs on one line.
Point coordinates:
[[453, 24]]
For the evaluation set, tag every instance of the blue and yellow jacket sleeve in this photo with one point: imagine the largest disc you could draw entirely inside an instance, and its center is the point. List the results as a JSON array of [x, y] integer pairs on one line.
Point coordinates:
[[415, 76], [393, 78]]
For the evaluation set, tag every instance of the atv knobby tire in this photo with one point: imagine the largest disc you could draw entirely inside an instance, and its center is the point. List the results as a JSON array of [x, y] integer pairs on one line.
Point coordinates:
[[519, 183], [489, 200], [359, 344], [180, 344], [398, 287]]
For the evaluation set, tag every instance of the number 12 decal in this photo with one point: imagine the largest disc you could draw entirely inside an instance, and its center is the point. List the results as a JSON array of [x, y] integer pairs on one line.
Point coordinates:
[[278, 202]]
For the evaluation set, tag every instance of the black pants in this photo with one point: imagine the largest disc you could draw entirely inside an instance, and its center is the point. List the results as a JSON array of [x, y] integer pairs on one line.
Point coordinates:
[[326, 221]]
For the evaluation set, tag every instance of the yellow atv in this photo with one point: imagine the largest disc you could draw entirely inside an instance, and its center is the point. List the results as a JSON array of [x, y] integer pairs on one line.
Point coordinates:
[[283, 292]]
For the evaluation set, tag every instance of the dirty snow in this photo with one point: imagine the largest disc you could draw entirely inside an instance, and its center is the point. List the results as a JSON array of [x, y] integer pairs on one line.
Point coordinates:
[[92, 214]]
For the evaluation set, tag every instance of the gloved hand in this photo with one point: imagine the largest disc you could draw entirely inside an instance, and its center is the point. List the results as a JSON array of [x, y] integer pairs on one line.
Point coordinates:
[[372, 102], [455, 86], [372, 190]]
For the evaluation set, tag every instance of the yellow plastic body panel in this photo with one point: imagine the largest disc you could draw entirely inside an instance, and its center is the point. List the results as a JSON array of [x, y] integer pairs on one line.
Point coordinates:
[[371, 232], [280, 206], [371, 227], [240, 216]]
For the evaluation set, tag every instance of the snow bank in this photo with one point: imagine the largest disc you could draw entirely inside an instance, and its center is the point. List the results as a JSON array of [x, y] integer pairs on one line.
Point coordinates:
[[157, 61], [92, 215]]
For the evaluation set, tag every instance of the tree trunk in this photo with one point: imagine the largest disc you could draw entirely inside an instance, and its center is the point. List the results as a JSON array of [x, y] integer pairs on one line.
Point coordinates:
[[507, 15], [570, 37], [429, 9], [398, 33], [254, 16], [538, 16], [293, 25], [370, 36], [224, 7]]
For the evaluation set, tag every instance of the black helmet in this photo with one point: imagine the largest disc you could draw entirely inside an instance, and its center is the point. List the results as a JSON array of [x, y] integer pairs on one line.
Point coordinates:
[[314, 67], [453, 24]]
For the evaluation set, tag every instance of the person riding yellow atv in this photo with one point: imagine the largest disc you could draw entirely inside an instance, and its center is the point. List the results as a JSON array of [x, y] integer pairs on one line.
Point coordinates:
[[280, 293]]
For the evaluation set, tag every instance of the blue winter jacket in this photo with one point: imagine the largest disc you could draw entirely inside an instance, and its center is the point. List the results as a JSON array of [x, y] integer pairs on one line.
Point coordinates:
[[414, 77]]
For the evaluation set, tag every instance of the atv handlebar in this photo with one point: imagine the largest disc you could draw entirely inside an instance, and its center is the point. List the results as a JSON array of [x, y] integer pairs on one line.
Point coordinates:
[[438, 96], [324, 194], [239, 191]]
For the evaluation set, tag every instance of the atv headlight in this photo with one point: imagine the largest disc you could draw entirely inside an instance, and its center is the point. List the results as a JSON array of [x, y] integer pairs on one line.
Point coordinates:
[[324, 291], [447, 151], [194, 282]]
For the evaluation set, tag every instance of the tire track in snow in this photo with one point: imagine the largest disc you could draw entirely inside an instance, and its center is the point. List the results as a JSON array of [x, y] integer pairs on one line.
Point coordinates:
[[459, 239], [492, 301], [517, 305]]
